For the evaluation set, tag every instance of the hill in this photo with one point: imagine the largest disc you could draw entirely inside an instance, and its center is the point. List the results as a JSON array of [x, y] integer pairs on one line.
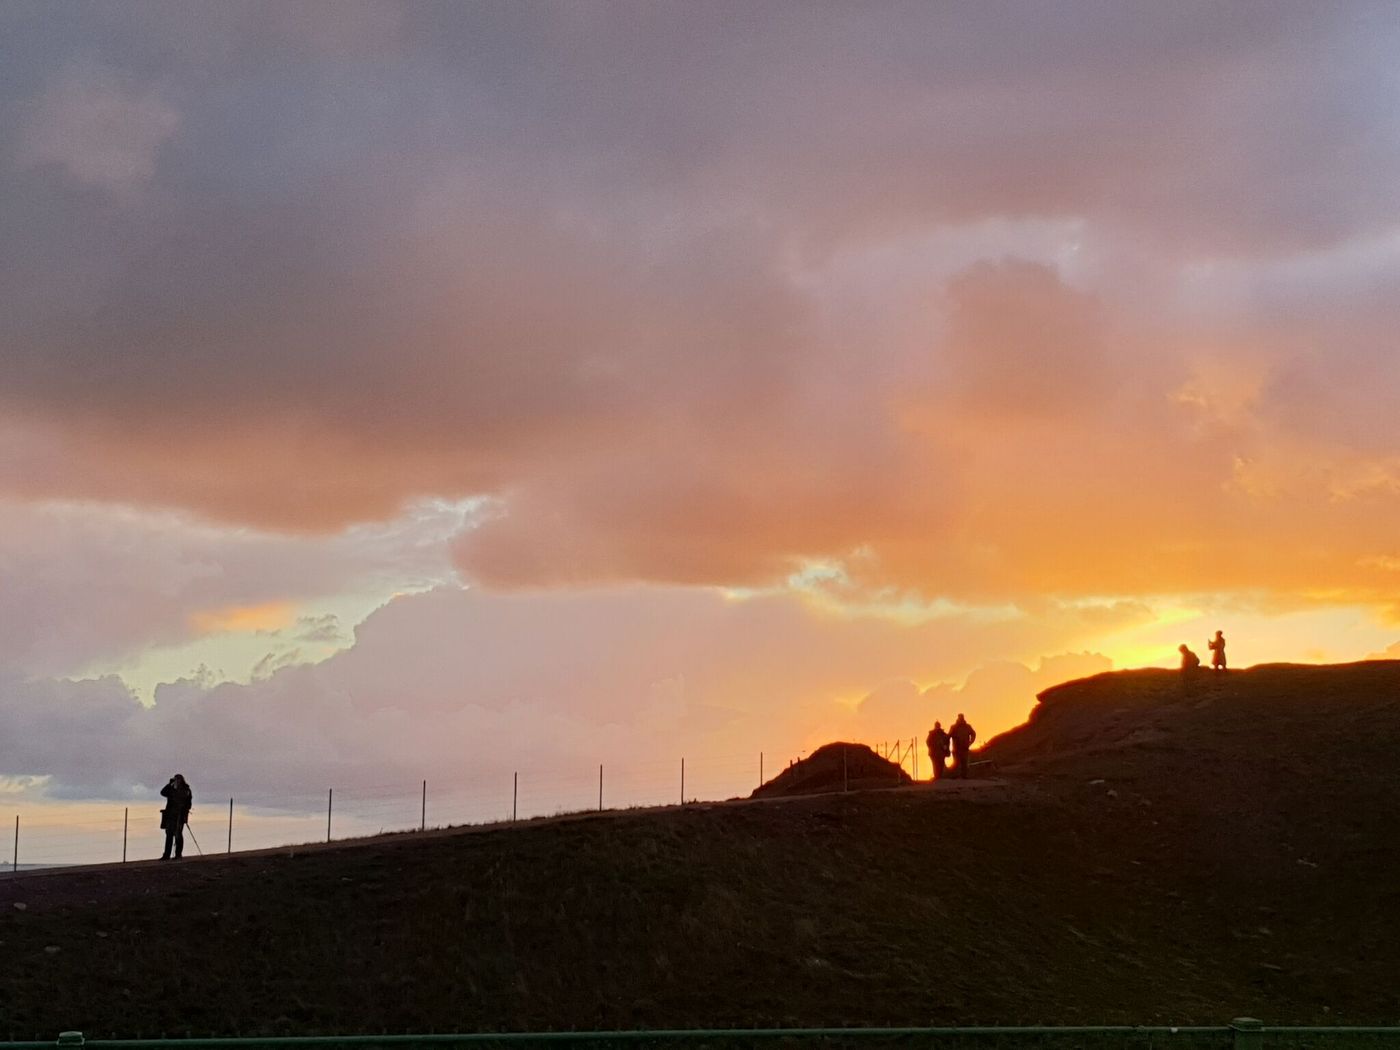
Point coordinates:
[[834, 767], [1148, 850]]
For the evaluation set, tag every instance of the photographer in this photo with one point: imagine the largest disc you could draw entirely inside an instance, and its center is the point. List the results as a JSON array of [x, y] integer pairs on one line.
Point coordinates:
[[179, 799]]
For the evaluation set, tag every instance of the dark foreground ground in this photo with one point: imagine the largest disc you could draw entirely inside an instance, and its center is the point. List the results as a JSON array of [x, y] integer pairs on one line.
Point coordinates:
[[1148, 852]]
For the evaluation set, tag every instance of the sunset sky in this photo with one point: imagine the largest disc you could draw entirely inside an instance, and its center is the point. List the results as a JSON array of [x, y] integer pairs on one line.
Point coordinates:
[[440, 390]]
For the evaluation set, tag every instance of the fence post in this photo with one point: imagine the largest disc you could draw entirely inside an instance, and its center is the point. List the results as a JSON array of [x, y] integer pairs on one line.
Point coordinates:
[[15, 869], [682, 781], [126, 818], [423, 813], [230, 825], [514, 795], [330, 797], [760, 769], [600, 787], [1249, 1033]]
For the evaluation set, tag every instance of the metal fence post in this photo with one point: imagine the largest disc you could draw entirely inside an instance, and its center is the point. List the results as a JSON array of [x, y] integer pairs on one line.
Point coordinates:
[[682, 781], [126, 819], [600, 787], [15, 868], [1249, 1033], [330, 798], [230, 825], [423, 815], [514, 795]]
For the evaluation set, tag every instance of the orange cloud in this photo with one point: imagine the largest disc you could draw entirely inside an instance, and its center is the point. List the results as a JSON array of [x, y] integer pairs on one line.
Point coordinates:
[[244, 619], [643, 345]]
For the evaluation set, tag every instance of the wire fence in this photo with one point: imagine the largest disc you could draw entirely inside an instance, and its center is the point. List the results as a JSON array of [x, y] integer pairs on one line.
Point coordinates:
[[48, 835], [1241, 1034]]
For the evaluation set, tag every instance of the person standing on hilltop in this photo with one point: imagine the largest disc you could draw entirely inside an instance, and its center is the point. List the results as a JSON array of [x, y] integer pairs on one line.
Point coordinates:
[[1217, 651], [963, 736], [179, 801], [1189, 660], [938, 744]]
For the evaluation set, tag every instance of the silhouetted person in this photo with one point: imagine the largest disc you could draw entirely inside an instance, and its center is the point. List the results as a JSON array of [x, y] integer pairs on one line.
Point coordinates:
[[963, 737], [938, 744], [1217, 651], [1189, 660], [178, 800]]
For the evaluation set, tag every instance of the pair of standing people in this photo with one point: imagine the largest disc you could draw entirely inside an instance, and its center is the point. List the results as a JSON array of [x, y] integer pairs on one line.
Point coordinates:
[[959, 740]]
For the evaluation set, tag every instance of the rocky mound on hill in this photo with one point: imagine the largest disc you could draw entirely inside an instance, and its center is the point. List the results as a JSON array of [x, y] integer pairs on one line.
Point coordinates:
[[835, 767]]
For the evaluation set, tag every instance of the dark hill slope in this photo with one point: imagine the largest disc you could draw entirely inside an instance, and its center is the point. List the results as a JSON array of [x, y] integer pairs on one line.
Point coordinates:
[[1150, 853], [1260, 774]]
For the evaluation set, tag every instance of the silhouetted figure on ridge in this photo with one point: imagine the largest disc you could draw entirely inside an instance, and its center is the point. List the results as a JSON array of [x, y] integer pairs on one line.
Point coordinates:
[[963, 737], [938, 744], [1189, 660], [1217, 651], [179, 800]]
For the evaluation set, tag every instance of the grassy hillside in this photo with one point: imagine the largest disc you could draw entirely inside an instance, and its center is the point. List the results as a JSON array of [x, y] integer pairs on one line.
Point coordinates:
[[1148, 851]]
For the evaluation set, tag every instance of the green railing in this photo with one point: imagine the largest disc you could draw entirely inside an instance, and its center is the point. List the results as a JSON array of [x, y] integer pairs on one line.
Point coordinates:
[[1241, 1034]]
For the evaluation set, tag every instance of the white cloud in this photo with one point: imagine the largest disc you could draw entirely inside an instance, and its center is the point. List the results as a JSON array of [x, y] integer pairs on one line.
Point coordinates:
[[99, 128], [457, 686], [92, 587]]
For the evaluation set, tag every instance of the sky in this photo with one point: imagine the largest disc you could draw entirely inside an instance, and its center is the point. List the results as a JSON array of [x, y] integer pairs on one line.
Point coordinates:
[[415, 391]]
